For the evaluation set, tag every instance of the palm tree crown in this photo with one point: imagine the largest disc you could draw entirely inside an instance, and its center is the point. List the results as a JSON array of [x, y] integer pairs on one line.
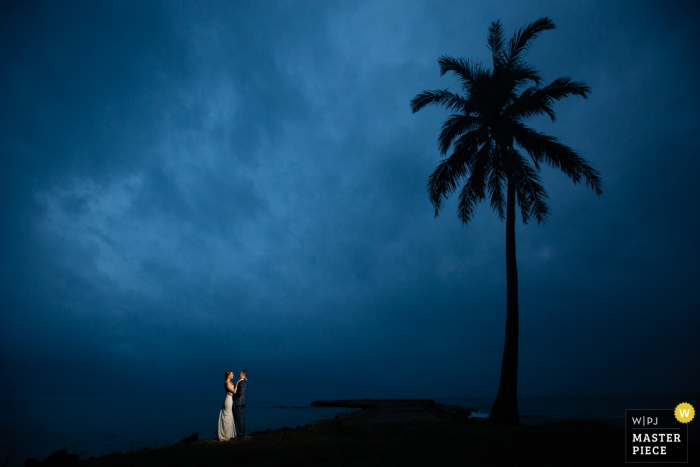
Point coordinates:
[[487, 129], [487, 136]]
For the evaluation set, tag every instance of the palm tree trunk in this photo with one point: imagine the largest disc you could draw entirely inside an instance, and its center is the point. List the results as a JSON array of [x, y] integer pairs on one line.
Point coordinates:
[[505, 408]]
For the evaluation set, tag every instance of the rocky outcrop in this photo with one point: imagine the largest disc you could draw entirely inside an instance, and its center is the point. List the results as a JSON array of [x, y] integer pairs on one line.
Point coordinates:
[[60, 457], [393, 414], [371, 403], [190, 439]]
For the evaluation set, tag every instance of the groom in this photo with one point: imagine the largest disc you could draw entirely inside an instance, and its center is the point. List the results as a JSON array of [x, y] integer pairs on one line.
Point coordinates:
[[239, 404]]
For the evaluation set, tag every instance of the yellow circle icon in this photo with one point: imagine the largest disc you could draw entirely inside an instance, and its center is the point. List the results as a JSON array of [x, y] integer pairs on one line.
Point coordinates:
[[684, 412]]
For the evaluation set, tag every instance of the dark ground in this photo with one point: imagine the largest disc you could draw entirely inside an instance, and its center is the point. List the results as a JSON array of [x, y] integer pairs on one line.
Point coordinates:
[[401, 434]]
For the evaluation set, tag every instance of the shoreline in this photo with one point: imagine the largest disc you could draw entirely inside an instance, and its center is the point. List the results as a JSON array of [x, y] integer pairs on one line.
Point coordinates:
[[393, 432]]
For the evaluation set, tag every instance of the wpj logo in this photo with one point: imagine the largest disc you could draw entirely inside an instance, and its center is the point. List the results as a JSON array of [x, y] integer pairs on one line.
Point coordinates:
[[655, 435]]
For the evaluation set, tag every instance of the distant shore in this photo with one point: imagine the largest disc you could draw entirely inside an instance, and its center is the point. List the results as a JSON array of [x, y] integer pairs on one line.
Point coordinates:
[[394, 432]]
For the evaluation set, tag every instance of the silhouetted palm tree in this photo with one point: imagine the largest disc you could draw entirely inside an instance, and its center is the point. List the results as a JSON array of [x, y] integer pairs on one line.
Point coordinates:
[[487, 136]]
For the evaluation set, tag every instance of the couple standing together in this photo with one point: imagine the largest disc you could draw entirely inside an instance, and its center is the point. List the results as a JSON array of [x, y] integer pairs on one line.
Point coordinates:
[[233, 408]]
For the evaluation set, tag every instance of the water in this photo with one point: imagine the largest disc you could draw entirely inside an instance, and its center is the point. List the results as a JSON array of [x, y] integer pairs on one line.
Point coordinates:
[[610, 409], [94, 426]]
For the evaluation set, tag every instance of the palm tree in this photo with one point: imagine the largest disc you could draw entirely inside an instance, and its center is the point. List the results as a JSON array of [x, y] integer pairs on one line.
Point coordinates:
[[487, 137]]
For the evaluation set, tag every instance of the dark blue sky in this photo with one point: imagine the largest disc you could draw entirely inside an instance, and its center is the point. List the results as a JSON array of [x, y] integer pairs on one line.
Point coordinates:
[[190, 187]]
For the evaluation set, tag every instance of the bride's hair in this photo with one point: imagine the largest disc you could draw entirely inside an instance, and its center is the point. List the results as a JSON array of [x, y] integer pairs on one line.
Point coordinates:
[[228, 372]]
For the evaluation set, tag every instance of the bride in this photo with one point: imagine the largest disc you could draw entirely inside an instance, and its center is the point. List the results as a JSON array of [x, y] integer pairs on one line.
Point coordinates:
[[226, 429]]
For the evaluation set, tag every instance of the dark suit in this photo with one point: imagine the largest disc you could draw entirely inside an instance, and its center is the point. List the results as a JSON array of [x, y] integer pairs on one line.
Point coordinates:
[[239, 407]]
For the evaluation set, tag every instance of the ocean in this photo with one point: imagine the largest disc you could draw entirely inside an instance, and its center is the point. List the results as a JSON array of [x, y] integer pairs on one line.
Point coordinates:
[[33, 426]]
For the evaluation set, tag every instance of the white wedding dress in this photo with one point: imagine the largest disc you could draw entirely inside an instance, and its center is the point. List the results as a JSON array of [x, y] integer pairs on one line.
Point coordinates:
[[226, 429]]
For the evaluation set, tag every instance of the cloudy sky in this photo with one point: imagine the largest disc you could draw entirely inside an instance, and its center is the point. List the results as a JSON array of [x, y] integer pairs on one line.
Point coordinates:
[[190, 187]]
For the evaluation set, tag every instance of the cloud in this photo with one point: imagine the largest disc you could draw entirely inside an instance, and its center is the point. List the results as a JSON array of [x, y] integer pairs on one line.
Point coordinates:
[[188, 186]]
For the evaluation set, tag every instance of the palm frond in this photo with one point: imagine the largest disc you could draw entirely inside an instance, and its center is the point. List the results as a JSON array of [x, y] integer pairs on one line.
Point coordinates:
[[467, 70], [547, 149], [537, 101], [471, 141], [444, 97], [530, 104], [531, 194], [474, 190], [521, 40], [521, 73], [564, 87], [455, 126], [449, 173], [496, 44]]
